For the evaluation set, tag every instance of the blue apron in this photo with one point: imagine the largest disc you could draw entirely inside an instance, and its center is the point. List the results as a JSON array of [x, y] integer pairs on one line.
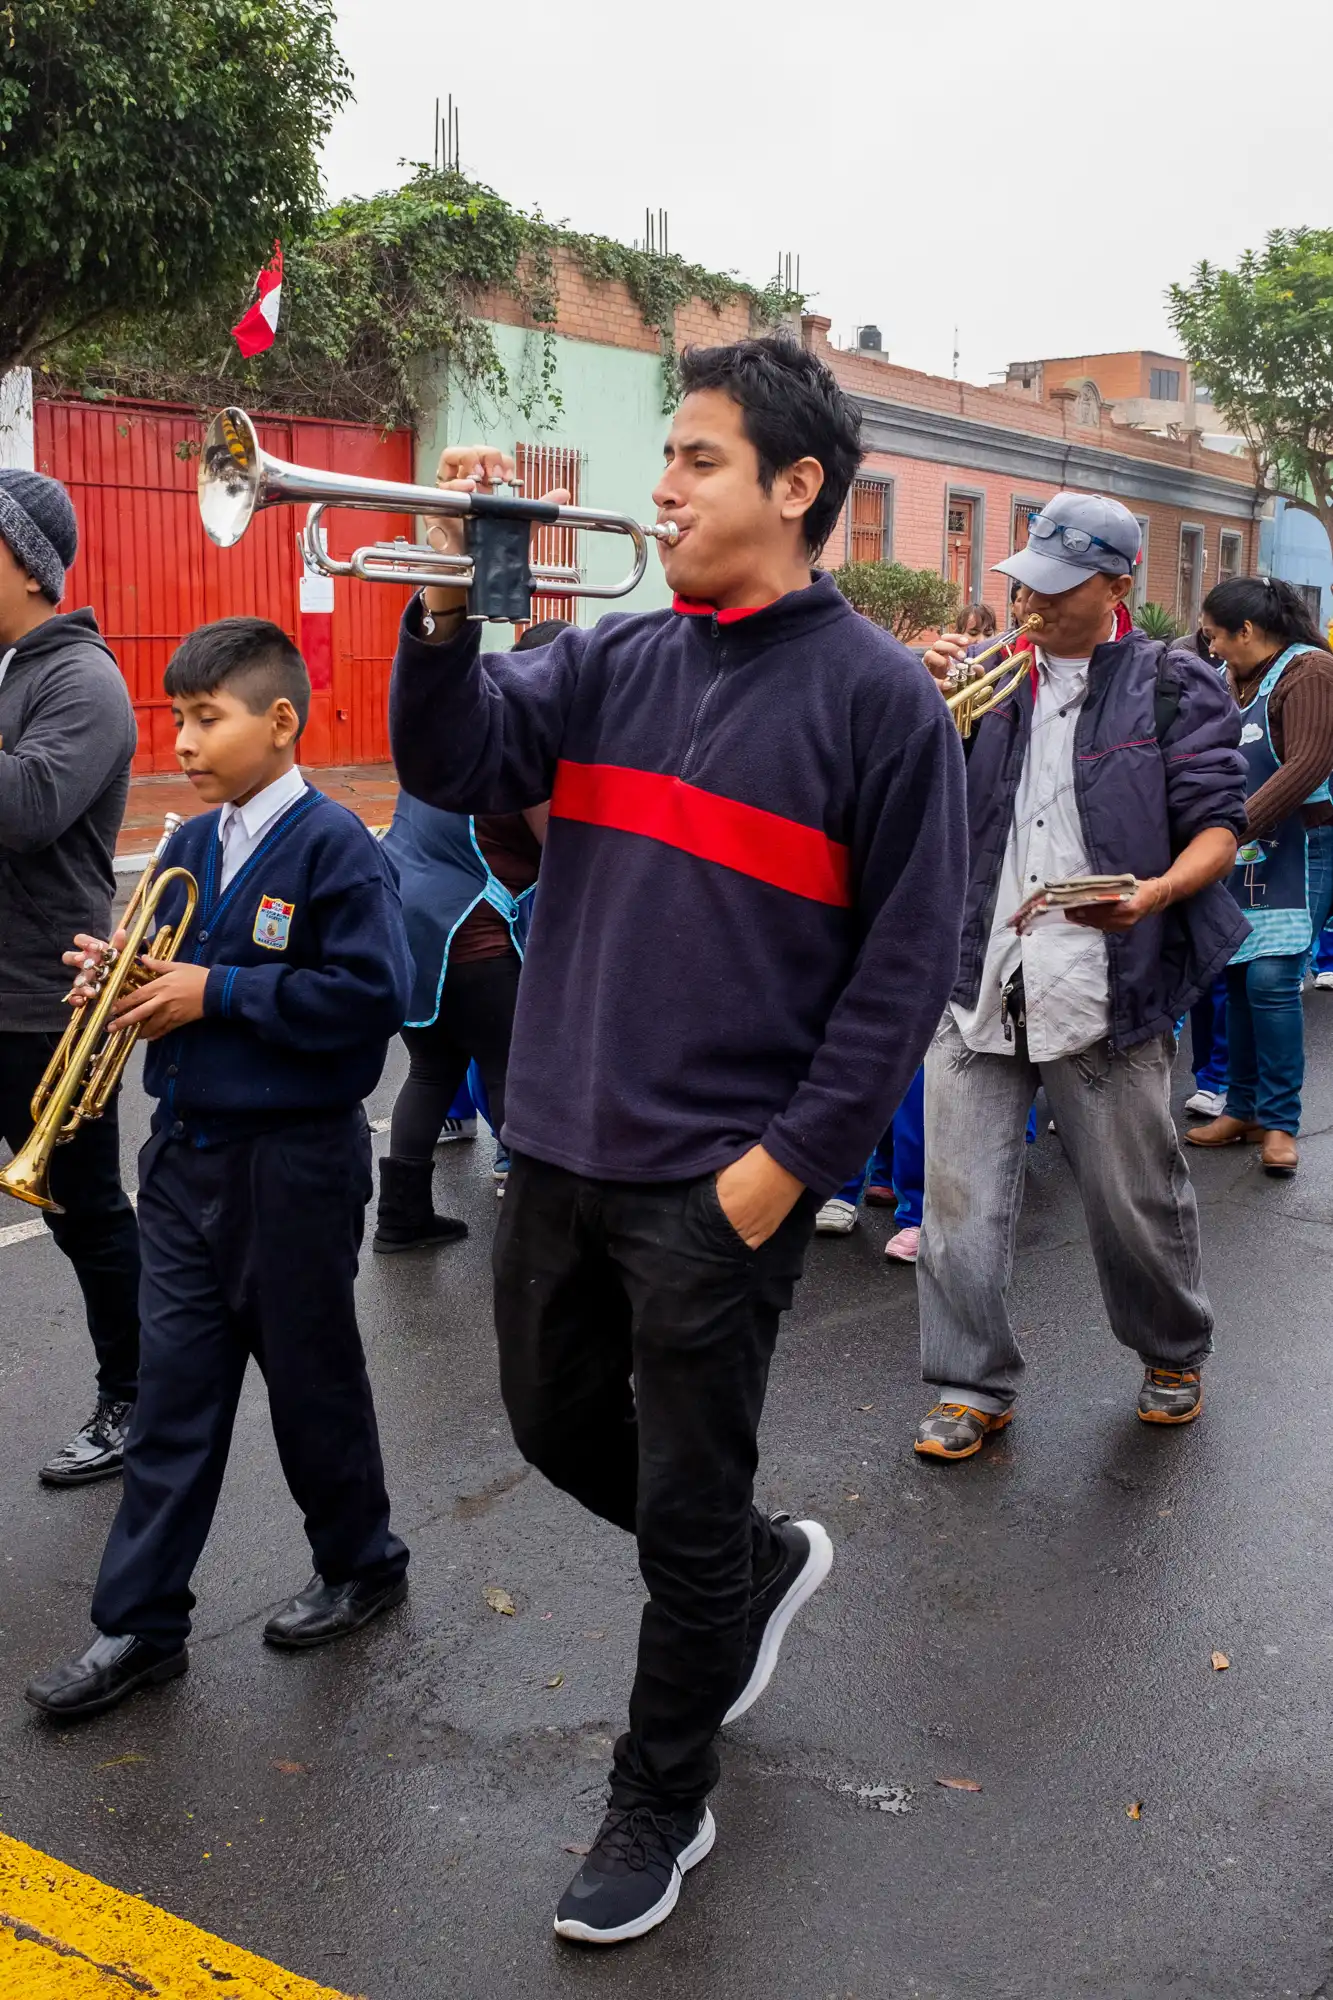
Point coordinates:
[[1270, 880], [442, 875]]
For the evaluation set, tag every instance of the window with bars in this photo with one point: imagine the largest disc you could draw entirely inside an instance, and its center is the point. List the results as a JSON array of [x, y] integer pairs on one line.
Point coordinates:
[[1230, 551], [1025, 513], [870, 521], [539, 469]]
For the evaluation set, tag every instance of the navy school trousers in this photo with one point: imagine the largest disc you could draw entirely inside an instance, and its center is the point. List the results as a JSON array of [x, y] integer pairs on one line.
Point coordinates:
[[248, 1248]]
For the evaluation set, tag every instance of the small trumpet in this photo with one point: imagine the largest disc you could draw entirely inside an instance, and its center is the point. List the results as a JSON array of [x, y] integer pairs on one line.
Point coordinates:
[[87, 1064], [976, 694], [237, 478]]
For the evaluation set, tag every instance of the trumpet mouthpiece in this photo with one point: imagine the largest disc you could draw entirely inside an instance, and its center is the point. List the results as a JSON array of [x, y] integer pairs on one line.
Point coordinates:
[[1036, 623], [666, 531]]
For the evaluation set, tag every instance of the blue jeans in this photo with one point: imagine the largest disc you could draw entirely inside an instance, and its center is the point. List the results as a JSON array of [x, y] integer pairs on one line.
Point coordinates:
[[899, 1160], [1265, 1022]]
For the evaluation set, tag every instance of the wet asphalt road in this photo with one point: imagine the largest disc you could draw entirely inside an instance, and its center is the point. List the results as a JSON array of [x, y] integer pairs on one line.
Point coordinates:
[[390, 1816]]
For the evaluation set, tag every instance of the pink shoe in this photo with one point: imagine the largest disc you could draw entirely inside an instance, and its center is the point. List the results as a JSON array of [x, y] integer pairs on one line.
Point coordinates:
[[902, 1248]]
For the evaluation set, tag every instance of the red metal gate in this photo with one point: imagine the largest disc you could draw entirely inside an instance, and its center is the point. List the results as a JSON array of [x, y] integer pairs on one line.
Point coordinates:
[[151, 574]]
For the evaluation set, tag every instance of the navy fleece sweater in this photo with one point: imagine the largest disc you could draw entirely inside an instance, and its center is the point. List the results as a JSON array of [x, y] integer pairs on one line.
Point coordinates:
[[752, 885], [308, 974]]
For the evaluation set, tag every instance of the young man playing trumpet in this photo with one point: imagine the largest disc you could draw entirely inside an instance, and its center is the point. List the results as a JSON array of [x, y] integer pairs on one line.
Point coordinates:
[[1112, 756], [756, 810]]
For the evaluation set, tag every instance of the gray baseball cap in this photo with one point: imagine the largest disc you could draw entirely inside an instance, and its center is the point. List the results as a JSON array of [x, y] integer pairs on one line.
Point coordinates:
[[1075, 536]]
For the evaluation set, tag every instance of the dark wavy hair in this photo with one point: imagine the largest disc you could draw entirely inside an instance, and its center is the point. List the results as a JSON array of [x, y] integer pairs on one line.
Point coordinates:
[[791, 407], [1268, 604]]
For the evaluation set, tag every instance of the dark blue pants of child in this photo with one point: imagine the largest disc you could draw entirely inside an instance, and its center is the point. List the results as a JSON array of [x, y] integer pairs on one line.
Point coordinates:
[[1208, 1038], [248, 1248], [899, 1160]]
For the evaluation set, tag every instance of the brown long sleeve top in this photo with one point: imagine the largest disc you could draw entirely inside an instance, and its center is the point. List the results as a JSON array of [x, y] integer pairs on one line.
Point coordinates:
[[1300, 721]]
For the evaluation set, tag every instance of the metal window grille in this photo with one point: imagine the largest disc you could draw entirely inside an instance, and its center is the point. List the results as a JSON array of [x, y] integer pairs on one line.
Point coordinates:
[[1025, 513], [871, 521], [1229, 555], [540, 468]]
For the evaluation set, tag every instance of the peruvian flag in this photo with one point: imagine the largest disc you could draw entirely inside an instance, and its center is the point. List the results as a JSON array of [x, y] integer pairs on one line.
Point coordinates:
[[257, 328]]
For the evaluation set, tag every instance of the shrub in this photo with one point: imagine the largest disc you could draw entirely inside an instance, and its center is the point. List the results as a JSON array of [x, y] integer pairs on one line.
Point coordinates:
[[904, 601]]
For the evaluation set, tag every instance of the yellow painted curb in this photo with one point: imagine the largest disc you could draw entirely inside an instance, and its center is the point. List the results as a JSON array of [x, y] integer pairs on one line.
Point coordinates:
[[64, 1936]]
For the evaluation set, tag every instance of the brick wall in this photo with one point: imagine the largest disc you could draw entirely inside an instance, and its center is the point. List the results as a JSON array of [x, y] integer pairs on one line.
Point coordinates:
[[921, 487], [1119, 377], [602, 310]]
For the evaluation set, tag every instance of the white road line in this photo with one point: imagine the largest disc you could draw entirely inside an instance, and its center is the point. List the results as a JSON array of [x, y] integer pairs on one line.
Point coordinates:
[[23, 1232]]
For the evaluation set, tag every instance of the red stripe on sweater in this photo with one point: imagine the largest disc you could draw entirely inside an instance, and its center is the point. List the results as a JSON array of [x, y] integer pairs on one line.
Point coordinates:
[[760, 844]]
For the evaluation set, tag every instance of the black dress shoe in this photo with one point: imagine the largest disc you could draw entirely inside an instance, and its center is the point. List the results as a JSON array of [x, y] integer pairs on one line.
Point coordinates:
[[325, 1611], [95, 1452], [109, 1670]]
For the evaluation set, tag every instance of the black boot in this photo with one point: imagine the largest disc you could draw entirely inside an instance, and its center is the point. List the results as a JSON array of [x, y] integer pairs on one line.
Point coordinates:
[[407, 1218]]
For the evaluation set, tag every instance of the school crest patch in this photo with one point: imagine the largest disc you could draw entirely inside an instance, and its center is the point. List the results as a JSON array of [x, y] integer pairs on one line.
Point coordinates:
[[273, 923]]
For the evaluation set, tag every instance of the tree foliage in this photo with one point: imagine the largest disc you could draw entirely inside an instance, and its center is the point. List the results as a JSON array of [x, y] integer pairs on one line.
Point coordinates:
[[150, 151], [378, 291], [906, 602], [1261, 338]]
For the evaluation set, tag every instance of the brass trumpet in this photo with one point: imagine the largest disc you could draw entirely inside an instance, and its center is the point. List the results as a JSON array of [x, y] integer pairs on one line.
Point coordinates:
[[83, 1072], [980, 693]]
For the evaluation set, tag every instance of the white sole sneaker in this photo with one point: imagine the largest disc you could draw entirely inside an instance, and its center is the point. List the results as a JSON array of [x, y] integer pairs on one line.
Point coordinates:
[[803, 1586], [699, 1847]]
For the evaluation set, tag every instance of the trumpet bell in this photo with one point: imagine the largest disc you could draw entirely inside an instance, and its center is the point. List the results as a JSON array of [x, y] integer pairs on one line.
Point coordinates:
[[25, 1178], [231, 477]]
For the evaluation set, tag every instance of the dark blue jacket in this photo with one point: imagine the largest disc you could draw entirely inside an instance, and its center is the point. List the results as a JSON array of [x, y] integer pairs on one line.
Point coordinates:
[[442, 875], [752, 879], [300, 1025], [1140, 802]]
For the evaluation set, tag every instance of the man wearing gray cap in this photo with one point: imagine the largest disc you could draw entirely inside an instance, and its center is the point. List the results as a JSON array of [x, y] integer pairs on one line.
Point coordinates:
[[66, 740], [1115, 755]]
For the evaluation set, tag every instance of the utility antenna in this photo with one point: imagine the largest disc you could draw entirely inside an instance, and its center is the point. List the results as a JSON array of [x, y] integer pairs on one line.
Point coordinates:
[[447, 152], [955, 354]]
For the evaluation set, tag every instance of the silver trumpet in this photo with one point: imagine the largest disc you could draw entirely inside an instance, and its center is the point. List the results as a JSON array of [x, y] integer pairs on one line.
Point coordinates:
[[238, 478]]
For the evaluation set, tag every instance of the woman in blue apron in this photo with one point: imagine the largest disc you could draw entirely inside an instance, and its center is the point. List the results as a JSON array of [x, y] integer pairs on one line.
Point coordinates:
[[466, 884], [1281, 672]]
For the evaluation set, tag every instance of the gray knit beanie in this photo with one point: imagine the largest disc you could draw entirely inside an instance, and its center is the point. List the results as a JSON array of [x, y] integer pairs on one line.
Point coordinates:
[[37, 522]]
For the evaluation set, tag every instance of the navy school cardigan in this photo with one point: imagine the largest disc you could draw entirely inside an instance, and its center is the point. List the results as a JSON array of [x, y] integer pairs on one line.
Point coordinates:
[[309, 975]]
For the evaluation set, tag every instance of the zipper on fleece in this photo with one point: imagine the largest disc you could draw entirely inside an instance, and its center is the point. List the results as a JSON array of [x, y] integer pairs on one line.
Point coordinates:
[[714, 678]]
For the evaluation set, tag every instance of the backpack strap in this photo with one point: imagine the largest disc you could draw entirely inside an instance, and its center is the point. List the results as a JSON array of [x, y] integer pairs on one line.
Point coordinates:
[[1166, 697]]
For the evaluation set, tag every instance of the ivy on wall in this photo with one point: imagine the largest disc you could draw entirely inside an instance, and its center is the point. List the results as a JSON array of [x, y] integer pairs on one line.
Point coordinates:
[[380, 292]]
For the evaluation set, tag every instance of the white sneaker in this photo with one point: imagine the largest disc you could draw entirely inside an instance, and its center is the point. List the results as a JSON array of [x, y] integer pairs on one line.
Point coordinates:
[[1324, 981], [836, 1218], [1209, 1103]]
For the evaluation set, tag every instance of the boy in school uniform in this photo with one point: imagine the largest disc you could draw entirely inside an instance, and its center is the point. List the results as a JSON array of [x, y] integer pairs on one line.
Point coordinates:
[[262, 1040]]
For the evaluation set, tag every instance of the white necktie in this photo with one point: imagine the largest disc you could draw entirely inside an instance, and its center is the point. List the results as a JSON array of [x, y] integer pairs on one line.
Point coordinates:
[[233, 833]]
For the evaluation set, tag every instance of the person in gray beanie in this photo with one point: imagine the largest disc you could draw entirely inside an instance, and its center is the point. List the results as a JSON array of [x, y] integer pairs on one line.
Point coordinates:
[[67, 737]]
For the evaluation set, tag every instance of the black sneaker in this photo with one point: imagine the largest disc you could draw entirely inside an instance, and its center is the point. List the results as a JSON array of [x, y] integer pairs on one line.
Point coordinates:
[[95, 1452], [807, 1558], [630, 1881]]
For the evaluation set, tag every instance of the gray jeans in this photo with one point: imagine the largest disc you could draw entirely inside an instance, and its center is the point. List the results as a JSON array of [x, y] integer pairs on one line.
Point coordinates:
[[1113, 1115]]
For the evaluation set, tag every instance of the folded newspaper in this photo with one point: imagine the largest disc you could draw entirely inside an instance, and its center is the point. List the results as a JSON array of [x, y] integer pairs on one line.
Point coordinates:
[[1073, 893]]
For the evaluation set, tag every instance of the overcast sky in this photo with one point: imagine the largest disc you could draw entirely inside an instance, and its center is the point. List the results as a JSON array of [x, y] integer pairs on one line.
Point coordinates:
[[1035, 174]]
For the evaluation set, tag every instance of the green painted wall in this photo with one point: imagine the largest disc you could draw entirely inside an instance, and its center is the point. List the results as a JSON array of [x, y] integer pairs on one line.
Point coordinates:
[[611, 414]]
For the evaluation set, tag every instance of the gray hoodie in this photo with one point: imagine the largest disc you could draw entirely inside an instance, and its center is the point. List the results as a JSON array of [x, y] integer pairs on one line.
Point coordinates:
[[67, 736]]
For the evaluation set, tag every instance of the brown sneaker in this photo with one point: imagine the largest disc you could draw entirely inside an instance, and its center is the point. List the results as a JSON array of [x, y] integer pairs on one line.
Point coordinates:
[[1170, 1396], [1278, 1154], [956, 1430], [1224, 1131]]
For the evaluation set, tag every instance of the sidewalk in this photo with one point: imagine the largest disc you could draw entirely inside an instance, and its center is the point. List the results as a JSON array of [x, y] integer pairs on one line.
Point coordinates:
[[368, 789]]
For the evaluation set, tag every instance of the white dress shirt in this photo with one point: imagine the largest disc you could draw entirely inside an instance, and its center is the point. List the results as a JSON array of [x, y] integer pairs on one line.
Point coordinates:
[[241, 828], [1065, 985]]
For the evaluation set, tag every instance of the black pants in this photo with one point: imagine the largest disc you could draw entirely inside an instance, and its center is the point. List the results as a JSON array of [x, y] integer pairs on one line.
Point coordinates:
[[475, 1023], [97, 1231], [248, 1248], [636, 1331]]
